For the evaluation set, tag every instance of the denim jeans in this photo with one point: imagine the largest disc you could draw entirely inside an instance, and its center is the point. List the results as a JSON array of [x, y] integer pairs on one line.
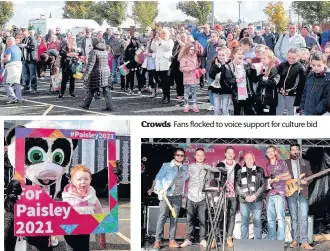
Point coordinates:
[[211, 97], [221, 104], [190, 89], [285, 102], [192, 207], [29, 72], [303, 217], [10, 92], [115, 65], [256, 208], [163, 214], [276, 212]]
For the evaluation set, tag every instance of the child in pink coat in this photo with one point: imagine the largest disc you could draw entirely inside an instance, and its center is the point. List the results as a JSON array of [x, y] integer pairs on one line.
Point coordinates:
[[82, 197], [188, 64]]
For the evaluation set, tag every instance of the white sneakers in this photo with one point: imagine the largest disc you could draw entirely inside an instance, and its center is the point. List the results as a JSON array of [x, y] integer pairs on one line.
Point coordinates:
[[54, 241], [211, 108], [186, 243]]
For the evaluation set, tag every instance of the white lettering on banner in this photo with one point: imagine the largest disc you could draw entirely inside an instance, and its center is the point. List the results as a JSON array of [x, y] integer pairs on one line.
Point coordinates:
[[45, 211]]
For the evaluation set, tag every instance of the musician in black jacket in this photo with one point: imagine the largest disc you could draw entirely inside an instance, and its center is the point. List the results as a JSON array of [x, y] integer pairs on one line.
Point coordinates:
[[229, 168], [305, 168], [250, 185]]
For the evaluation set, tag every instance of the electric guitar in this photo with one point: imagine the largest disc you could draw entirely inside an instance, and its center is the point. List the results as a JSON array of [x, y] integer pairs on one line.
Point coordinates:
[[168, 204], [272, 176], [292, 185]]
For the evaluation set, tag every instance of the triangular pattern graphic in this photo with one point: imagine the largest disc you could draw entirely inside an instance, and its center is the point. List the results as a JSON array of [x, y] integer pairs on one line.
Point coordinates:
[[56, 134], [18, 176], [113, 163], [112, 202], [109, 227], [99, 229], [99, 217], [114, 192], [69, 228], [108, 219]]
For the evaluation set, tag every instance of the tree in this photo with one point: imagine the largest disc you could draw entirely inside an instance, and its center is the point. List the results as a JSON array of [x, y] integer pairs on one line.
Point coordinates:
[[82, 10], [145, 12], [114, 12], [198, 9], [276, 15], [6, 12], [312, 12]]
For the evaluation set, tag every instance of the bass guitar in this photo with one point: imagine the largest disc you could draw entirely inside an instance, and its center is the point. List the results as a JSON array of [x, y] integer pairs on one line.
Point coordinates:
[[168, 203], [292, 185]]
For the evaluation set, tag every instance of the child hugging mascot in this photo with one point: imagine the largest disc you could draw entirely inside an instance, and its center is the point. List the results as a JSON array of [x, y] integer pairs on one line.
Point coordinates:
[[47, 163]]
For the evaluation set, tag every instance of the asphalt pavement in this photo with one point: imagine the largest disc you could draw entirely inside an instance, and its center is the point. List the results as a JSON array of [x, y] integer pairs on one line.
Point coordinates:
[[43, 104]]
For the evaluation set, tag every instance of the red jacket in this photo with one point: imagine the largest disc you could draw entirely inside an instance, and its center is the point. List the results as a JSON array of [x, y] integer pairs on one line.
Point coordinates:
[[41, 49], [54, 45]]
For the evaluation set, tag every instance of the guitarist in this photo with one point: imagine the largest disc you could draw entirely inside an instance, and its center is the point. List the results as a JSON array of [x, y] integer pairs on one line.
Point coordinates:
[[305, 168], [278, 172], [170, 181], [196, 203]]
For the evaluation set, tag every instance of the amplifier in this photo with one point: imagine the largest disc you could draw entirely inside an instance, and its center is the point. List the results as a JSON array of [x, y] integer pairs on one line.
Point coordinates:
[[181, 229], [258, 245], [152, 217], [288, 229]]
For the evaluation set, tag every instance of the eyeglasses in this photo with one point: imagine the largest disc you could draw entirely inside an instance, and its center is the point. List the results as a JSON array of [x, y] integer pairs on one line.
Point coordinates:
[[179, 155]]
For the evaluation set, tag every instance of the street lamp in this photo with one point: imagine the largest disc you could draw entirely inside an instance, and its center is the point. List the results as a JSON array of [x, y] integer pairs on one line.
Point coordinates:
[[239, 12]]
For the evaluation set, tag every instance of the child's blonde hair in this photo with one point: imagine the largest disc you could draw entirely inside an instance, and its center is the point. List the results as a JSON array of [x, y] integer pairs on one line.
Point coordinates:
[[79, 167], [271, 56], [185, 50]]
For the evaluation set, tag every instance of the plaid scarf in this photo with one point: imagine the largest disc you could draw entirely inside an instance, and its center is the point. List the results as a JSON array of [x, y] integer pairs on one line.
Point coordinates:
[[248, 187]]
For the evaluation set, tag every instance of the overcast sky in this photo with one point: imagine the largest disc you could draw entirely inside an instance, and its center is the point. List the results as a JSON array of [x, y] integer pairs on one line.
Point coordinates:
[[224, 10]]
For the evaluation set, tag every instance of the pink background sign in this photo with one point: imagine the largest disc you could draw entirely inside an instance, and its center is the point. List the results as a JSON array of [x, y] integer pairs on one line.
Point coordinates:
[[37, 214], [216, 153]]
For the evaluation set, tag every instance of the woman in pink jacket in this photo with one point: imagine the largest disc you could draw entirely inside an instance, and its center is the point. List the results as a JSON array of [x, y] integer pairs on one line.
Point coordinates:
[[188, 64]]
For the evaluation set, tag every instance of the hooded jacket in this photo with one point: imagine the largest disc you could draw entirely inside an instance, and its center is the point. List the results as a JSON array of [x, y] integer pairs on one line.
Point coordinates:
[[97, 71], [209, 53], [292, 79], [187, 65], [316, 93], [88, 204], [225, 88]]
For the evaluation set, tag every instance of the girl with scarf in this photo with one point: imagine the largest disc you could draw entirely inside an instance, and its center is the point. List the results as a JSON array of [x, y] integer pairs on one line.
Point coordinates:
[[82, 197], [240, 78]]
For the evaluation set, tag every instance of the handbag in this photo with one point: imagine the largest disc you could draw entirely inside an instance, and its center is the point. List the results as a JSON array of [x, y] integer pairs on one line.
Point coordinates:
[[56, 82], [198, 72]]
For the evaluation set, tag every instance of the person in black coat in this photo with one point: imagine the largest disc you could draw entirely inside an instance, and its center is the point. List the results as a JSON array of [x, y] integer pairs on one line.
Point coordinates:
[[97, 75], [133, 67], [233, 72], [68, 60], [266, 92]]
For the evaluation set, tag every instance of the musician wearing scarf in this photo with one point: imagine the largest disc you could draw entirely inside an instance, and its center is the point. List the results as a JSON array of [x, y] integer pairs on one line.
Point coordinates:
[[229, 168], [250, 185], [170, 181], [305, 168]]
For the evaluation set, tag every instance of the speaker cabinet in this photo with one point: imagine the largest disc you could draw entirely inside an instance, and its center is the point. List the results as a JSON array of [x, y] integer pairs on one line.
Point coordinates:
[[181, 229]]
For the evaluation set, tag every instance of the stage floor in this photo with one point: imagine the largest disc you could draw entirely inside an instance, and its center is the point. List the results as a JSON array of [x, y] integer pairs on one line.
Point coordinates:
[[321, 246]]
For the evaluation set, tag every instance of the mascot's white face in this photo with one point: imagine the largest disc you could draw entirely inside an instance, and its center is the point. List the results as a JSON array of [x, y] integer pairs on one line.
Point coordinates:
[[46, 159]]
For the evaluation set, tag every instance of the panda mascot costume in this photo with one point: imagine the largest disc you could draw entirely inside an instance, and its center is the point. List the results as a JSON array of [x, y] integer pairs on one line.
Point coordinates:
[[47, 162]]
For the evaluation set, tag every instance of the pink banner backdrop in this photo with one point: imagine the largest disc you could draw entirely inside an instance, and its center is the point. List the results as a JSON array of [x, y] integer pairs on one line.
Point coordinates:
[[216, 153], [37, 214]]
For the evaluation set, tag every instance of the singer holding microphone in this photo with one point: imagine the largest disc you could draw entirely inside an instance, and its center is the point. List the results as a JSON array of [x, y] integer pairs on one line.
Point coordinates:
[[297, 166], [170, 181]]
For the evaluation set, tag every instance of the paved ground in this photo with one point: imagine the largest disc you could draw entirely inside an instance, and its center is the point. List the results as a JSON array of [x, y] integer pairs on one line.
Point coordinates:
[[44, 104], [322, 246], [115, 242]]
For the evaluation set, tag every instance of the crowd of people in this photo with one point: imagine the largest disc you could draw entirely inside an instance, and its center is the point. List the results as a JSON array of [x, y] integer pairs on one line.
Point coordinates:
[[247, 186], [245, 73]]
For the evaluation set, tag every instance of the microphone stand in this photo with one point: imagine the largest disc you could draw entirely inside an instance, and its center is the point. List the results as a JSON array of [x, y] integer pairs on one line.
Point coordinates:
[[298, 200]]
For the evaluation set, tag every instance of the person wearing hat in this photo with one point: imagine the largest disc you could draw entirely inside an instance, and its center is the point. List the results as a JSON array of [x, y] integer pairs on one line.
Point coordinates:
[[117, 47], [310, 41], [97, 75]]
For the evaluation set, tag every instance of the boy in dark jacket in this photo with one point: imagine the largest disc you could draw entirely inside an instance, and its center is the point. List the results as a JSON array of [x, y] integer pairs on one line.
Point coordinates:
[[316, 91], [292, 83]]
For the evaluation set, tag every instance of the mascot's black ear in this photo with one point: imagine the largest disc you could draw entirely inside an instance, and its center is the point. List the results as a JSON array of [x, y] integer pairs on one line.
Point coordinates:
[[11, 133], [74, 143]]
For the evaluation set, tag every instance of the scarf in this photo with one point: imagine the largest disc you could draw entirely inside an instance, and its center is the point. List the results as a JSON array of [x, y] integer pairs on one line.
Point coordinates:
[[251, 186], [240, 75]]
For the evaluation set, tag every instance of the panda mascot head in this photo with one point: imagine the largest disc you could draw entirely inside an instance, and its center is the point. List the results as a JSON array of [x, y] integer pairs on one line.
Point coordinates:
[[46, 159]]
